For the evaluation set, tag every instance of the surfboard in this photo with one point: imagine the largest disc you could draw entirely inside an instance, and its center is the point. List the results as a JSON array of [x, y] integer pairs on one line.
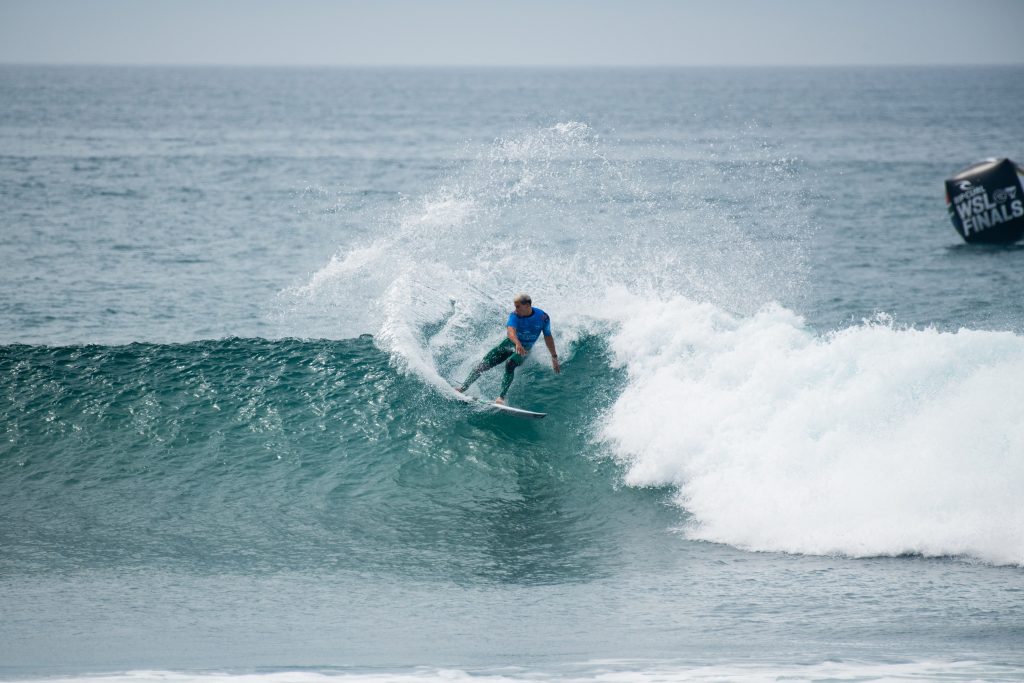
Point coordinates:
[[497, 407], [518, 412]]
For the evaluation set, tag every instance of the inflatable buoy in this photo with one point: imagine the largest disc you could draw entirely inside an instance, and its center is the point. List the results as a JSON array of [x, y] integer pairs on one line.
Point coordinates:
[[986, 202]]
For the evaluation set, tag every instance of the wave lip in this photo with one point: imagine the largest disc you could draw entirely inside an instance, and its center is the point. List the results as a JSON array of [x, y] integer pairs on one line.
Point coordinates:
[[870, 441]]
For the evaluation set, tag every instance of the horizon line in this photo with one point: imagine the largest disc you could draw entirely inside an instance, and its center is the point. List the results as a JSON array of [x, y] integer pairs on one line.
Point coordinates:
[[356, 65]]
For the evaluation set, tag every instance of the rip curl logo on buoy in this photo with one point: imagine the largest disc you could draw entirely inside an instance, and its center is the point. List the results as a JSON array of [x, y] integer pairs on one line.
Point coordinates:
[[963, 185]]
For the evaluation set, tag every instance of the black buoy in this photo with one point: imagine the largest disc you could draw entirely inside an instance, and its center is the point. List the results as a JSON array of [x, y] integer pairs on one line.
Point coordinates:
[[986, 202]]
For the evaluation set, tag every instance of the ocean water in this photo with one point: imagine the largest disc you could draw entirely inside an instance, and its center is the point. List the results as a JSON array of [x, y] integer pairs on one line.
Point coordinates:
[[787, 442]]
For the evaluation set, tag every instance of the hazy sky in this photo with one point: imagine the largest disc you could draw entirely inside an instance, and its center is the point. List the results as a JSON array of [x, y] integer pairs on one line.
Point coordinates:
[[514, 32]]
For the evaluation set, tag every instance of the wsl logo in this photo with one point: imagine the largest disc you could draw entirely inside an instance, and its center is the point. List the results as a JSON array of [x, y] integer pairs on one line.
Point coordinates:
[[978, 211], [986, 202]]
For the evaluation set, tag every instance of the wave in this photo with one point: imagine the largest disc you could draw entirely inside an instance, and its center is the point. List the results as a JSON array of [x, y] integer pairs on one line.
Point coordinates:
[[872, 440]]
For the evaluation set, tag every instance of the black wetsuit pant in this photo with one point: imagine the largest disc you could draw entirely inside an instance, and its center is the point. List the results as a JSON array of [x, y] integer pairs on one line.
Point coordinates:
[[505, 351]]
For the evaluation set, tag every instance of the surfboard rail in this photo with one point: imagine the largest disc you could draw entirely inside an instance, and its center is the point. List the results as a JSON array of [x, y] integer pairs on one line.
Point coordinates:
[[499, 407]]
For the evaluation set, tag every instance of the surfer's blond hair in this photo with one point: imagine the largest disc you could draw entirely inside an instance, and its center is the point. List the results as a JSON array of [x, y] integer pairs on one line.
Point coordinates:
[[522, 298]]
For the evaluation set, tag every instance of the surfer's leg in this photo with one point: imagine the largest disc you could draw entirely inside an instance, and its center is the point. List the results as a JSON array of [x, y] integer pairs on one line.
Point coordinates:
[[499, 353], [510, 373]]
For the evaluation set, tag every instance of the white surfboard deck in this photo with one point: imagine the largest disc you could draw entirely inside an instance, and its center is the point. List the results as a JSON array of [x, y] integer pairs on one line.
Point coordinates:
[[498, 407]]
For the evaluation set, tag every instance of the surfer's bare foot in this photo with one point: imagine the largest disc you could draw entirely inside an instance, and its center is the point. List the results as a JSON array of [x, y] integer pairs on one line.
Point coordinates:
[[500, 401]]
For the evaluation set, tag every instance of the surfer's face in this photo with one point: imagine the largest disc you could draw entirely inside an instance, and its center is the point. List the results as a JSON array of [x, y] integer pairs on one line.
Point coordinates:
[[523, 308]]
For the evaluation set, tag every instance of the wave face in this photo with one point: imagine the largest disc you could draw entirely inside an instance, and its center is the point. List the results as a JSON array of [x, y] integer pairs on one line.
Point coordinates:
[[277, 455]]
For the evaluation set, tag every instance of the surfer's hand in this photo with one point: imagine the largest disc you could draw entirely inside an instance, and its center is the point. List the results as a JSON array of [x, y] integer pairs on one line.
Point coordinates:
[[520, 350], [555, 366]]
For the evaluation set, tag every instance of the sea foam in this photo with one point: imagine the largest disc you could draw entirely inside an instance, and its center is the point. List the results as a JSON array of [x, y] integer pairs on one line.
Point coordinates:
[[600, 671], [871, 440]]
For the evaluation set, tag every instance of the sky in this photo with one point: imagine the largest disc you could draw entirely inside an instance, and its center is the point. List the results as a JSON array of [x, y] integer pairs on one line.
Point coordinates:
[[512, 32]]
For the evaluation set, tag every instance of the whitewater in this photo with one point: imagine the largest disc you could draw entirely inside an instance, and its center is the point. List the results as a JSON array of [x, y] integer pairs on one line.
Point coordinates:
[[870, 440]]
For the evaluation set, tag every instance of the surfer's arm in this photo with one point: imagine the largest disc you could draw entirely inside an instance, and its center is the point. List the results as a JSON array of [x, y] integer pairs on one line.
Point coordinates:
[[549, 341], [520, 349]]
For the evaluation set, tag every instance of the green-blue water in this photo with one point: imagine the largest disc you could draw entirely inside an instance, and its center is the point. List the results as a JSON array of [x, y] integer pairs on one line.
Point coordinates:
[[286, 456], [785, 442]]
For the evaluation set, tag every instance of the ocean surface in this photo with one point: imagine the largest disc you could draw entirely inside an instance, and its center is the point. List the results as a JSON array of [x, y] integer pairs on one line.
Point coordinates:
[[787, 441]]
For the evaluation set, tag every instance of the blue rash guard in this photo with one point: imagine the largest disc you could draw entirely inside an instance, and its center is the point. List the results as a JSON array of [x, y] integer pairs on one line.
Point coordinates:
[[530, 327], [528, 330]]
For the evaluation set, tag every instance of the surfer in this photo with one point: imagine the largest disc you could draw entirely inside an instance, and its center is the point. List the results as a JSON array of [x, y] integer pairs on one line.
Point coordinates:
[[525, 325]]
